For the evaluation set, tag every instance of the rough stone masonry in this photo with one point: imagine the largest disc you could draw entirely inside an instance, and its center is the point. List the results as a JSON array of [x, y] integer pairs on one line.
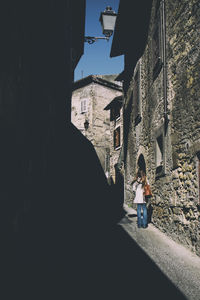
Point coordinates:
[[168, 135]]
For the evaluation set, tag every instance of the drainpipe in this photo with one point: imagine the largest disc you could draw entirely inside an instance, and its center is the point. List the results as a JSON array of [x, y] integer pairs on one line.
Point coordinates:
[[123, 112], [166, 120]]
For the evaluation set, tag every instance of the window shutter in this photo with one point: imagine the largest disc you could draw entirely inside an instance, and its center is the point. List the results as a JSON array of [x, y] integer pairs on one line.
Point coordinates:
[[83, 106], [117, 138]]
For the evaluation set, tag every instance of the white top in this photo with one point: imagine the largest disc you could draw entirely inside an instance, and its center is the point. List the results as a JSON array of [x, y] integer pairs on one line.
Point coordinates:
[[139, 192]]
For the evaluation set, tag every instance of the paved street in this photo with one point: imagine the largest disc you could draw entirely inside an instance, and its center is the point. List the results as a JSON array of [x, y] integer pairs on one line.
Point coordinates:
[[179, 264], [100, 262]]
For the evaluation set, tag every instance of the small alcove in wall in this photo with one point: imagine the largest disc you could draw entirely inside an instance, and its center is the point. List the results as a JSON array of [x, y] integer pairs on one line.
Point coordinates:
[[141, 163]]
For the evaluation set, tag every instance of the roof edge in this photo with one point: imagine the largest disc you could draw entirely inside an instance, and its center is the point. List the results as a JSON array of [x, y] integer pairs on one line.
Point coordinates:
[[95, 78]]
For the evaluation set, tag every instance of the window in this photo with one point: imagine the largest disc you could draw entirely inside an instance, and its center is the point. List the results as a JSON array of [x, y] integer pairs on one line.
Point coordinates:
[[117, 138], [157, 42], [160, 152], [83, 106]]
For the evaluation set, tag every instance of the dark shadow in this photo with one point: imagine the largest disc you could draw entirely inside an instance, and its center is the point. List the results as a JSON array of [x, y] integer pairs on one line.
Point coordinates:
[[117, 189], [132, 215], [141, 163], [149, 213], [60, 236], [110, 181], [69, 243], [131, 273]]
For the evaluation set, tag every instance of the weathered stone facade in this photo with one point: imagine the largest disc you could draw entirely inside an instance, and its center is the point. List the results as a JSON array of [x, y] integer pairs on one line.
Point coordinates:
[[162, 119], [116, 136], [96, 92]]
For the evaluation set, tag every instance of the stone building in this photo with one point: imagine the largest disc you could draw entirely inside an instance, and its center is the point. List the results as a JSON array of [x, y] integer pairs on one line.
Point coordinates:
[[36, 74], [90, 96], [116, 136], [116, 147], [52, 199], [162, 111]]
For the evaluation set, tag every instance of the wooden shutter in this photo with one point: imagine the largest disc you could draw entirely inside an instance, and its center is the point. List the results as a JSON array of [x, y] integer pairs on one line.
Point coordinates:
[[117, 138], [83, 106]]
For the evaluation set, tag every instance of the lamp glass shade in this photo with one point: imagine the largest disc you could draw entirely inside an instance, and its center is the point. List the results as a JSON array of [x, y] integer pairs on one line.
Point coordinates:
[[107, 20]]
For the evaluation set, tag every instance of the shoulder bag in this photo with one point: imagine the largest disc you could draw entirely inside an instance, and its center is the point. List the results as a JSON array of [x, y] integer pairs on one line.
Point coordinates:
[[147, 190]]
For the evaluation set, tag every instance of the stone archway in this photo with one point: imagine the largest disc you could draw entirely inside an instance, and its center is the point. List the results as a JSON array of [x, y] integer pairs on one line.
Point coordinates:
[[141, 163]]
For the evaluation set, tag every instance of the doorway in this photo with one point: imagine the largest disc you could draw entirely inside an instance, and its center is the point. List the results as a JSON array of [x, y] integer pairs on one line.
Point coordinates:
[[141, 163]]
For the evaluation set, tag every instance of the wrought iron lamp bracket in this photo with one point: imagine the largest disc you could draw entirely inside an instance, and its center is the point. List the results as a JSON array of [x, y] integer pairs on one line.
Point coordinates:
[[92, 39]]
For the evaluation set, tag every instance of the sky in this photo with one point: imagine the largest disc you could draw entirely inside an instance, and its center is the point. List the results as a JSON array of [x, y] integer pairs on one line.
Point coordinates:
[[96, 59]]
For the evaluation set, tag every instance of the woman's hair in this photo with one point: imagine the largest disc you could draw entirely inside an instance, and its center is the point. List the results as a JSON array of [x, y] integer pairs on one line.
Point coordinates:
[[141, 174]]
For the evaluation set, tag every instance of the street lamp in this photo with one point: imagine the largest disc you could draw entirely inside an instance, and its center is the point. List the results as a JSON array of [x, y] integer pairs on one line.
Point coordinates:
[[107, 20], [86, 124]]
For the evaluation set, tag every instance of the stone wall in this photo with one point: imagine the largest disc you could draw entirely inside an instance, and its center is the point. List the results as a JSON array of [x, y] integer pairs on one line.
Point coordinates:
[[98, 132], [174, 115], [36, 75]]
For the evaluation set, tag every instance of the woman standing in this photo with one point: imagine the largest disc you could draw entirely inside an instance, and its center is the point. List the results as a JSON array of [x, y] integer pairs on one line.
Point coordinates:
[[138, 188]]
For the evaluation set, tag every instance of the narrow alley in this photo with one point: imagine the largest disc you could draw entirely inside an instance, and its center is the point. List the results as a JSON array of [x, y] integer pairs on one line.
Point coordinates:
[[65, 233]]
